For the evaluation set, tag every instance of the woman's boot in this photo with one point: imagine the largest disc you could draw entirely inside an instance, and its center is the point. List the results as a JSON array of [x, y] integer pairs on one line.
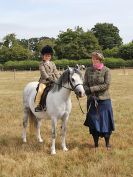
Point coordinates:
[[95, 138], [107, 138]]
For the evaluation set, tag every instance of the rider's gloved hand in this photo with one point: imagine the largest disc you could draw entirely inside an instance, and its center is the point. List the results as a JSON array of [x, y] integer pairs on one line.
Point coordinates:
[[50, 80]]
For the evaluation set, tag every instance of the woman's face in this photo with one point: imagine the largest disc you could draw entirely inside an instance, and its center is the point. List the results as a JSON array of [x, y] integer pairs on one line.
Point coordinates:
[[95, 60], [47, 57]]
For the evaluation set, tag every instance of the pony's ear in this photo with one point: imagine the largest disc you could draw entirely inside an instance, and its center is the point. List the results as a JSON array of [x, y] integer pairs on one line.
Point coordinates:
[[82, 67], [77, 66], [70, 69]]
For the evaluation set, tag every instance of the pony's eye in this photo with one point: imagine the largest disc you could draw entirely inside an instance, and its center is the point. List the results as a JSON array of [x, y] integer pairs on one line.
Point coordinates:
[[73, 80]]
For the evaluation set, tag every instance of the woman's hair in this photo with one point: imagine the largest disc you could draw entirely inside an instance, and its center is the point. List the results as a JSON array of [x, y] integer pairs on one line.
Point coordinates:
[[99, 55], [47, 50]]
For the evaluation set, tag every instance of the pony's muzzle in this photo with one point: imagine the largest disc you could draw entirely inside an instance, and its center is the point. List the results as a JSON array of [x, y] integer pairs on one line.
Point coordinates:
[[80, 94]]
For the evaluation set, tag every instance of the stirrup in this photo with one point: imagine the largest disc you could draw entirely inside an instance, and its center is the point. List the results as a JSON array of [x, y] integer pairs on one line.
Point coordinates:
[[44, 109], [38, 108]]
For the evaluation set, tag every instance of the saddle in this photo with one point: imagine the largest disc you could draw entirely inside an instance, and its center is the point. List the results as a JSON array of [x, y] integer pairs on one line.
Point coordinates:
[[44, 96]]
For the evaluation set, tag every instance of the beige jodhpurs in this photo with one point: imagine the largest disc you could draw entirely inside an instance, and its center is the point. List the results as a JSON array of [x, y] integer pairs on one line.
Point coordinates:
[[39, 93]]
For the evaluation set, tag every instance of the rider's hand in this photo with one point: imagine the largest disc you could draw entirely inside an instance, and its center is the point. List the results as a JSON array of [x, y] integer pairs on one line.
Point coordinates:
[[50, 80]]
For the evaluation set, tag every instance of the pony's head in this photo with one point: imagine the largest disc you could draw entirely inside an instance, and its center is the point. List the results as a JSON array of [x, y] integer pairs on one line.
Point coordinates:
[[71, 79], [75, 80]]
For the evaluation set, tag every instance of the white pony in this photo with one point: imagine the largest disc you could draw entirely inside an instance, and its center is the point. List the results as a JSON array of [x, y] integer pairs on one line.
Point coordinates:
[[58, 104]]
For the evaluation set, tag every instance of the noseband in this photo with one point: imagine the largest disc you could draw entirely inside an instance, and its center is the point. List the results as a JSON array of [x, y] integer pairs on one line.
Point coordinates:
[[74, 87]]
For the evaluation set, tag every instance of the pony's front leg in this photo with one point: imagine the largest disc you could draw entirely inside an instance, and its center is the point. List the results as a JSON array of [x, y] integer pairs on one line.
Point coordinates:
[[64, 127], [54, 123], [38, 131]]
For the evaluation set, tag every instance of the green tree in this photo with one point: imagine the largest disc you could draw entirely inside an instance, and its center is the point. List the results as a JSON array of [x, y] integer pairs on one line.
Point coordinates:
[[4, 54], [10, 40], [107, 35], [17, 52], [75, 44], [126, 51], [12, 50], [30, 44], [114, 52]]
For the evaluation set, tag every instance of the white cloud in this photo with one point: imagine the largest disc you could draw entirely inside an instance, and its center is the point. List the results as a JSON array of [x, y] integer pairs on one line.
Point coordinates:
[[30, 18]]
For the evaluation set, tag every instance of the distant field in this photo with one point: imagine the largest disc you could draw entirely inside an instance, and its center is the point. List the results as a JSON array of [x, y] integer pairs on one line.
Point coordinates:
[[34, 159]]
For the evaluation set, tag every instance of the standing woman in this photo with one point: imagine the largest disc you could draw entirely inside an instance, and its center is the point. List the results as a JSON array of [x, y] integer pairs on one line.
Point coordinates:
[[99, 118]]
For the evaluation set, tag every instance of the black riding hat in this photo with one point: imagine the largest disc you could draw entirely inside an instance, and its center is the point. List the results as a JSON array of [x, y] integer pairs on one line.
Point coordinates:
[[47, 50]]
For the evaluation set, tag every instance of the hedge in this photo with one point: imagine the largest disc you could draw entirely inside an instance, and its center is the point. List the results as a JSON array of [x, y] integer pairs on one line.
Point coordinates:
[[34, 65], [62, 64], [21, 65], [1, 66], [129, 63], [114, 62]]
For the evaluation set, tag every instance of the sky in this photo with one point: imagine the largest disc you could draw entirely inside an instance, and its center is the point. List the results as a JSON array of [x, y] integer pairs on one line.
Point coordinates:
[[37, 18]]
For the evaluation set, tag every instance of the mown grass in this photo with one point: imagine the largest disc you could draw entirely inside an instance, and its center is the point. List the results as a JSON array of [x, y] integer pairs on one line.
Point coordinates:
[[34, 159]]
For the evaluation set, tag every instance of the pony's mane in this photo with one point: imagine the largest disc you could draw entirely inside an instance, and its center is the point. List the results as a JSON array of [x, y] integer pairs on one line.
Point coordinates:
[[64, 79]]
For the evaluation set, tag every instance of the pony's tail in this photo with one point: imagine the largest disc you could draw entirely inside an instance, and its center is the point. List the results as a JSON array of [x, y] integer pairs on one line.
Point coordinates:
[[32, 123]]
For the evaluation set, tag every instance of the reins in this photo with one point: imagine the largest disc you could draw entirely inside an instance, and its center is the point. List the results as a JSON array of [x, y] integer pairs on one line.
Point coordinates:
[[73, 89], [80, 105], [96, 106]]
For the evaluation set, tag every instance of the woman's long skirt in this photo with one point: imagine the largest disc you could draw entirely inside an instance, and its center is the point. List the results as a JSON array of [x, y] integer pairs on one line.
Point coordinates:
[[99, 118]]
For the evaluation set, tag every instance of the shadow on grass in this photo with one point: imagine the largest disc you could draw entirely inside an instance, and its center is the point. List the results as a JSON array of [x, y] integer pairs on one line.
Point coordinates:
[[10, 144]]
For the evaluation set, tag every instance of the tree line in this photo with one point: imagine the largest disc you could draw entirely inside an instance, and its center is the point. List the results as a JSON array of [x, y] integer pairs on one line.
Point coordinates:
[[73, 44]]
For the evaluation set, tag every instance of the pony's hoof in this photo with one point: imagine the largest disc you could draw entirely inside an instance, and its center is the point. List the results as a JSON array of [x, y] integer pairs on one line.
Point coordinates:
[[53, 152], [65, 149], [40, 140], [24, 141]]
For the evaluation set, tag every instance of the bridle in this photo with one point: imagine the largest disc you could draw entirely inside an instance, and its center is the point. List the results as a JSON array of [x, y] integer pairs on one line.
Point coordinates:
[[73, 88]]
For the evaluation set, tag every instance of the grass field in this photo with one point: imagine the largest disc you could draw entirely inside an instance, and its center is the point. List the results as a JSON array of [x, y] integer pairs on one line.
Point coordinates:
[[34, 159]]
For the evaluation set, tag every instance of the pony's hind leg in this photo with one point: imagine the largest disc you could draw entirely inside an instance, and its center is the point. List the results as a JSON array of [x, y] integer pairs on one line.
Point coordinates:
[[53, 123], [64, 127], [25, 123], [38, 131]]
